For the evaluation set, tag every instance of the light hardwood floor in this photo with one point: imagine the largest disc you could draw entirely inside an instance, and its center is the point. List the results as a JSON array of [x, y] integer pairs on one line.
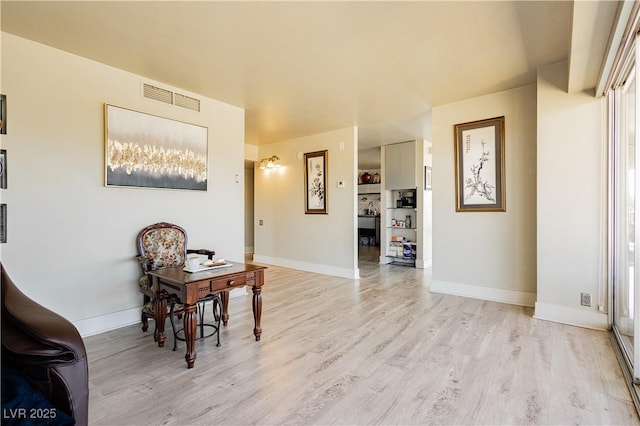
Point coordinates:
[[380, 350]]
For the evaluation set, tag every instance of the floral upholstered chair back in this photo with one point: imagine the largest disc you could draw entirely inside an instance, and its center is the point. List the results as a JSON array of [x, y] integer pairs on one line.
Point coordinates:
[[162, 245]]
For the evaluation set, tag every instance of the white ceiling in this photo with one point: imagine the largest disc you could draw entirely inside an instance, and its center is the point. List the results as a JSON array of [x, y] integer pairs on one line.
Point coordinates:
[[300, 68]]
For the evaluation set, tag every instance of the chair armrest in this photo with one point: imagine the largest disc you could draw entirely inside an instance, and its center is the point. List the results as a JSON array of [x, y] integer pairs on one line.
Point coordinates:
[[208, 253], [144, 263], [44, 327], [47, 349]]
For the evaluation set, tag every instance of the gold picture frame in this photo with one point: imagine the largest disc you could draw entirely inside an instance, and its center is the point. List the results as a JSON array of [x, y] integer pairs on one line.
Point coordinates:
[[315, 182], [479, 166]]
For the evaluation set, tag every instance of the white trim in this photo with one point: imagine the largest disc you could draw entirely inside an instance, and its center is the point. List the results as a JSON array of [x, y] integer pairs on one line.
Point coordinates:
[[621, 36], [308, 267], [571, 316], [423, 264], [521, 298], [96, 325], [103, 323]]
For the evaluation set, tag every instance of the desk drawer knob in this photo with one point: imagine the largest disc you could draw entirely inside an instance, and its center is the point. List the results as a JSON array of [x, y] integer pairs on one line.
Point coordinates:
[[230, 282]]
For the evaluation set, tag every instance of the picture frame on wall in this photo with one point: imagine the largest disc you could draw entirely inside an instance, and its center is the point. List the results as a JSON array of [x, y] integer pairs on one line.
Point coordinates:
[[3, 169], [144, 150], [3, 223], [315, 182], [479, 166], [3, 114]]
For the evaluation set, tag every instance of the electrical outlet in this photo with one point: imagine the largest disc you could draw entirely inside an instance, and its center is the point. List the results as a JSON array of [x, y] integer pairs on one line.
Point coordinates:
[[585, 299], [261, 222]]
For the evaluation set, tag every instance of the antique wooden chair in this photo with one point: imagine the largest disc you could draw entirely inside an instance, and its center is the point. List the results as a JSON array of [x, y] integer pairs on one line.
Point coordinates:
[[164, 245]]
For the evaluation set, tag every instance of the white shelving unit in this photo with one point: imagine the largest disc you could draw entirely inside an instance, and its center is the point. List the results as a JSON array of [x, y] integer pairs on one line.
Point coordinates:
[[401, 230], [403, 169]]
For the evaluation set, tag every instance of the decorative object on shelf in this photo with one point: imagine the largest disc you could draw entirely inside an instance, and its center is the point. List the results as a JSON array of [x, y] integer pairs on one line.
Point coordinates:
[[315, 182], [480, 174], [407, 199], [272, 162], [144, 150], [366, 177], [3, 114], [3, 169], [405, 250], [376, 178]]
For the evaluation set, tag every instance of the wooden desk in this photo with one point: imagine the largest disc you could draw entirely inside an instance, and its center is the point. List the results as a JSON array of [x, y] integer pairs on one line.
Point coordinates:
[[191, 287]]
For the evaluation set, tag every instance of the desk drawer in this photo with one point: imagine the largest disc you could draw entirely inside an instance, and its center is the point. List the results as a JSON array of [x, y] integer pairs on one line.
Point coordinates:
[[225, 283]]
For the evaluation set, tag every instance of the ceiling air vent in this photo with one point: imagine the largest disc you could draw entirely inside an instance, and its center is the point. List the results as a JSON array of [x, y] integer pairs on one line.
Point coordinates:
[[187, 102], [162, 95]]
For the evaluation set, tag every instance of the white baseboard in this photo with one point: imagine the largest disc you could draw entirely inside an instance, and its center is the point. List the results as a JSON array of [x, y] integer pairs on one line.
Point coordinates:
[[521, 298], [423, 264], [571, 316], [308, 267], [103, 323]]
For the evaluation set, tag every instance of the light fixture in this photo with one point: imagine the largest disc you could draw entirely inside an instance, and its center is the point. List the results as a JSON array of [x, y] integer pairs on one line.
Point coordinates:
[[270, 163]]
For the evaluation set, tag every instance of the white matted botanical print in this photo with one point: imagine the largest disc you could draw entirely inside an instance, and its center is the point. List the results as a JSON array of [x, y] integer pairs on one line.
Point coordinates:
[[144, 150]]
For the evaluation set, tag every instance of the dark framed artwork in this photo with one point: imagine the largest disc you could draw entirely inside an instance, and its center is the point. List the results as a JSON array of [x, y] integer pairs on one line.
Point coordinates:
[[315, 182], [480, 169], [3, 223], [3, 114], [3, 169], [144, 150]]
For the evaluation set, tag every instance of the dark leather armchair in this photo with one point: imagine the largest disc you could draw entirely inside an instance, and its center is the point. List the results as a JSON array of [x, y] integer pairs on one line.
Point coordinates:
[[46, 349]]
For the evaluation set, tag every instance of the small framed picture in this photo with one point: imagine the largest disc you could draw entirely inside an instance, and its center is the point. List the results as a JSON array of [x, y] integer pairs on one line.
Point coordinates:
[[3, 169], [3, 223], [3, 114]]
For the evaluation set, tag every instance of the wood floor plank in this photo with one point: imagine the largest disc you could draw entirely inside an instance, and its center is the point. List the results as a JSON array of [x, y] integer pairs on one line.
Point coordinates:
[[379, 350]]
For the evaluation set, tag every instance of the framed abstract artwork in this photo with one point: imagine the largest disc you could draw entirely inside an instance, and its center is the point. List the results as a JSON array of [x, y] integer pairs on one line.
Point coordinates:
[[479, 166], [144, 150], [315, 182]]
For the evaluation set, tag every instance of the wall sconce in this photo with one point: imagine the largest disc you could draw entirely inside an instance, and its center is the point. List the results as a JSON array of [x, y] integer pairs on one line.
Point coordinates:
[[270, 163]]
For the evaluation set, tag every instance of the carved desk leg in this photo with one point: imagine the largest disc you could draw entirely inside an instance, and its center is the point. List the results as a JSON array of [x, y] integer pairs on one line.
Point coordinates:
[[257, 310], [224, 295], [190, 323], [160, 313]]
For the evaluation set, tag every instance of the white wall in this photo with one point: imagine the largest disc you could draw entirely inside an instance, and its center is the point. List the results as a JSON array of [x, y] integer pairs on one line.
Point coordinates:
[[488, 255], [248, 210], [312, 242], [71, 239], [426, 224], [571, 201]]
